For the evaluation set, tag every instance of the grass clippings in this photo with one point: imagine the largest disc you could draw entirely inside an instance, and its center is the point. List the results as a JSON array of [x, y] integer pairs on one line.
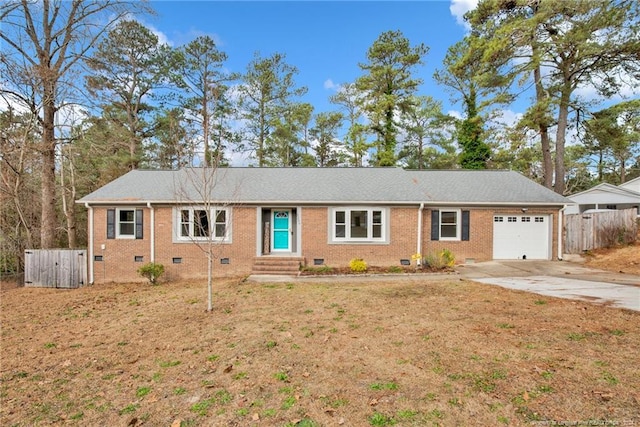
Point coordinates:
[[406, 352]]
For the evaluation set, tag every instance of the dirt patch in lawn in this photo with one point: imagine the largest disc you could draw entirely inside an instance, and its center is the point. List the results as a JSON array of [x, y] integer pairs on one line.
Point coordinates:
[[624, 259], [410, 352]]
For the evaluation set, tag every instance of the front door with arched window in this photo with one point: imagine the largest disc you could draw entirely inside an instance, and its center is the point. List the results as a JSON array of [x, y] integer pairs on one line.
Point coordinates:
[[281, 230]]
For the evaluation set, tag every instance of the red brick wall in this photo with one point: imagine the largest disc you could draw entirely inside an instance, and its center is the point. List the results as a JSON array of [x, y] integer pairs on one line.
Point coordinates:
[[118, 254], [240, 251], [402, 240], [118, 264], [479, 247]]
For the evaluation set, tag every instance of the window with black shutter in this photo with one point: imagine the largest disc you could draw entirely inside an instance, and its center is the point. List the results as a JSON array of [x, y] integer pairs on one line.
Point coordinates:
[[450, 224], [111, 223], [125, 223]]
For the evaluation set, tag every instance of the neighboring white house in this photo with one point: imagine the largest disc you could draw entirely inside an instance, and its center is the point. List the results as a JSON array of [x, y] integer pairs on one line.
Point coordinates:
[[607, 197], [633, 185]]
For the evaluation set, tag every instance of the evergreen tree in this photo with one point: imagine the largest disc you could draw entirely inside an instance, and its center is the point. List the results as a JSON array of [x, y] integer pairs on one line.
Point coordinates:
[[465, 77], [387, 88], [584, 43], [268, 88], [425, 128], [349, 100], [325, 138], [127, 67], [613, 134], [203, 84]]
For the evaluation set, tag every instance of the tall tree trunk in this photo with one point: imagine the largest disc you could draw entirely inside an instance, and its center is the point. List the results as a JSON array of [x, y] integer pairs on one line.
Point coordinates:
[[48, 185], [543, 129], [600, 165], [205, 130], [68, 206], [563, 119], [262, 137]]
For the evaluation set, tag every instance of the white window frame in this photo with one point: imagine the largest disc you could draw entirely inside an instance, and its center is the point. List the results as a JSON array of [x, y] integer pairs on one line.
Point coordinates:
[[213, 214], [458, 224], [119, 234], [383, 224]]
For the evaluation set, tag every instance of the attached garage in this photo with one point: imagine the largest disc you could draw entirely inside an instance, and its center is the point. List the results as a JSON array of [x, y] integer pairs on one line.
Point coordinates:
[[522, 237]]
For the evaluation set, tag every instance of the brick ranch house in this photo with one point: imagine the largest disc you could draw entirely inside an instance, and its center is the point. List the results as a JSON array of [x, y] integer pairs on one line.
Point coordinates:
[[313, 216]]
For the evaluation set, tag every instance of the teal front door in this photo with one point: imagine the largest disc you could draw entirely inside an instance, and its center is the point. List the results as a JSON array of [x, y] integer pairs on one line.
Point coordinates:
[[281, 234]]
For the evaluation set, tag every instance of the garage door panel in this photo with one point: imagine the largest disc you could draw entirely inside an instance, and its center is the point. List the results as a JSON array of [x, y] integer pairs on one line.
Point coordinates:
[[520, 236]]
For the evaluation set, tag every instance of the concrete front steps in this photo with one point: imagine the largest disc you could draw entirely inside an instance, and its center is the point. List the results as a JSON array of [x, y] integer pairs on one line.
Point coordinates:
[[276, 266]]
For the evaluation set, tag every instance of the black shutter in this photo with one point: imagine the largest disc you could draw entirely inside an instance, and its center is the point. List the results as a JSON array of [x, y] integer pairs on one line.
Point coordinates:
[[139, 223], [111, 223], [435, 225], [465, 225]]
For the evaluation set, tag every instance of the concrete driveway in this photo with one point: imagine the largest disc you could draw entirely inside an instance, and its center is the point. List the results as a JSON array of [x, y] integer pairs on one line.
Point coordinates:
[[562, 279]]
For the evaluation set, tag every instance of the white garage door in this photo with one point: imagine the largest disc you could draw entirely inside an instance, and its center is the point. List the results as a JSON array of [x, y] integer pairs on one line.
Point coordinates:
[[521, 236]]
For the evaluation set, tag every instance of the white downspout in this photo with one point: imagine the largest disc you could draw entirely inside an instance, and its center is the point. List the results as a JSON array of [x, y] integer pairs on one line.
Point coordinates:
[[419, 244], [152, 232], [560, 231], [90, 243]]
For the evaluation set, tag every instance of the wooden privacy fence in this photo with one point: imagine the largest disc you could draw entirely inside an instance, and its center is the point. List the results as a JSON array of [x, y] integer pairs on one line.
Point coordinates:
[[586, 231], [55, 268]]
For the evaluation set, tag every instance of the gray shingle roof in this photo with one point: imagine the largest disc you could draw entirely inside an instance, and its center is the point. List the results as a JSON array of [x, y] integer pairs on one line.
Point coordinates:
[[325, 186]]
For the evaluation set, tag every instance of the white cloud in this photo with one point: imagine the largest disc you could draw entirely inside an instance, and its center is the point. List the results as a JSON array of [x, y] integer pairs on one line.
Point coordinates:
[[193, 34], [507, 117], [459, 7], [179, 38], [329, 84], [454, 113], [237, 159], [589, 92], [163, 39]]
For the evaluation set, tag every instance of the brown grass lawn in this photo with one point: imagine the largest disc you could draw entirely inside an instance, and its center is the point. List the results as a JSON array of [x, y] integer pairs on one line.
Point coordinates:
[[623, 259], [406, 352]]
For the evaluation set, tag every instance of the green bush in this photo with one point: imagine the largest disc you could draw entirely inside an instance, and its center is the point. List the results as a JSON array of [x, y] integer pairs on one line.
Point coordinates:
[[433, 261], [320, 269], [152, 272], [448, 258], [358, 265], [439, 260]]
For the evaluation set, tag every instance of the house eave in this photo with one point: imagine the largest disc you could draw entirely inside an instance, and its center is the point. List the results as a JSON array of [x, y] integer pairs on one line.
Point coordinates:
[[491, 204], [326, 203]]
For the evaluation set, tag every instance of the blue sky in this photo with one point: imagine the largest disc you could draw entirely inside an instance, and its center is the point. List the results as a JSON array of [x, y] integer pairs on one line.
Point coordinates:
[[325, 40]]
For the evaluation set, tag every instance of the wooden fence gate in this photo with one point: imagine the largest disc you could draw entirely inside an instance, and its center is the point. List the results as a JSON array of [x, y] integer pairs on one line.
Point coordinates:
[[586, 231], [55, 268]]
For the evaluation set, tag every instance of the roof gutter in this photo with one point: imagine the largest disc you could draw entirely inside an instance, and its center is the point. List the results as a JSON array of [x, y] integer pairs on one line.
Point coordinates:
[[560, 231], [90, 243], [419, 243], [326, 203], [152, 240]]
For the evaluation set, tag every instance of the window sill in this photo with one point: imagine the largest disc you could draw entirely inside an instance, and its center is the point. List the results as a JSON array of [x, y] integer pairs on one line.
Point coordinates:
[[358, 242]]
